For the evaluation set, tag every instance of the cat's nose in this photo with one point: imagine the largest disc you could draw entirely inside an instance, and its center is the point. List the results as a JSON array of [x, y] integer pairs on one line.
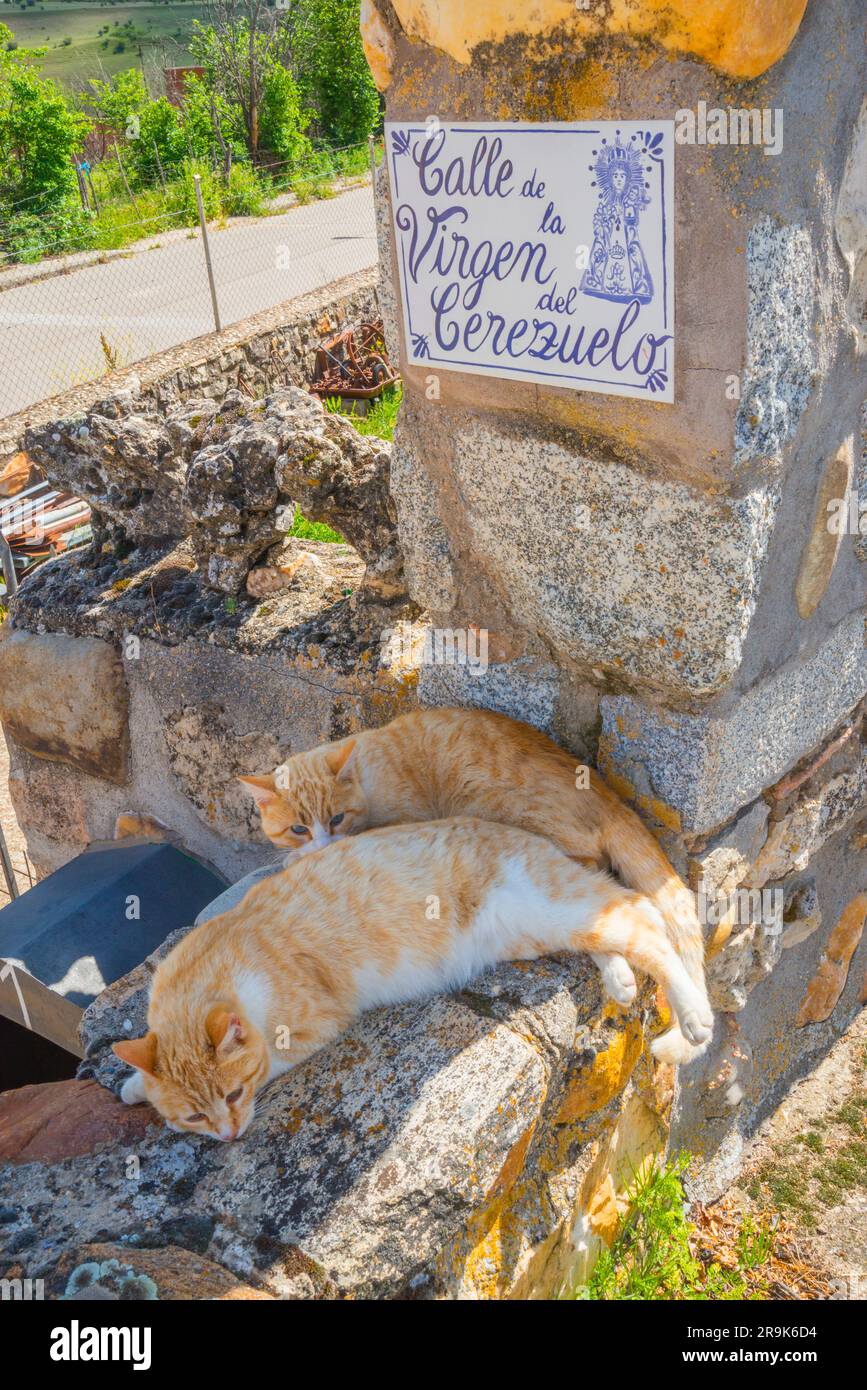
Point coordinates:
[[227, 1131]]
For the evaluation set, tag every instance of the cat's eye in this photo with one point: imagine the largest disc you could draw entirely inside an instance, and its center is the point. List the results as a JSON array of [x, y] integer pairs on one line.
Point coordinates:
[[335, 820], [195, 1119], [234, 1096], [299, 830]]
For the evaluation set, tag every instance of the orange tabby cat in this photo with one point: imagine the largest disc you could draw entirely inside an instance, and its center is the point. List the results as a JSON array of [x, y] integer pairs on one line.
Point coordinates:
[[380, 918], [464, 762]]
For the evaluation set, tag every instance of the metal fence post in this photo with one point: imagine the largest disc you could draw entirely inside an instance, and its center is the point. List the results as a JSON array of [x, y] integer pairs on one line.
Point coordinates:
[[198, 182]]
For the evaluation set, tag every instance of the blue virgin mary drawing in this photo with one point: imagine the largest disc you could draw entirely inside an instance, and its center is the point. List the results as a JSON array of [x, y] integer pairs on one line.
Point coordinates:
[[618, 267]]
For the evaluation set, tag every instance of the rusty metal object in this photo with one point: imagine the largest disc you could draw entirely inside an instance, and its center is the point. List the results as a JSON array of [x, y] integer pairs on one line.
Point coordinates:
[[354, 364], [40, 522]]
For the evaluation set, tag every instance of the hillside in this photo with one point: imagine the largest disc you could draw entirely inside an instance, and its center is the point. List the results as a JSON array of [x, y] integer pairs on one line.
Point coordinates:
[[97, 39]]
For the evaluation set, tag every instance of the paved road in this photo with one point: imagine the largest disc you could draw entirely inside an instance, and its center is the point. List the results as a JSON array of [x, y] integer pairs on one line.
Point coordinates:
[[154, 299]]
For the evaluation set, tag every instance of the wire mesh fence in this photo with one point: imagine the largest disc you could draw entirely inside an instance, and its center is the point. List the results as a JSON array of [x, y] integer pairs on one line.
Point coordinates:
[[70, 313]]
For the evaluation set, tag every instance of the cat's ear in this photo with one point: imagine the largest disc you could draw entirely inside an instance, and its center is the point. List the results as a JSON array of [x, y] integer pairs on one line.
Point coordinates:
[[262, 789], [226, 1031], [341, 761], [138, 1052]]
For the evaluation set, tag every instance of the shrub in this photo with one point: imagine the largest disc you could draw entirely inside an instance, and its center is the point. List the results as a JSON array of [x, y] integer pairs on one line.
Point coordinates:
[[244, 195], [182, 194]]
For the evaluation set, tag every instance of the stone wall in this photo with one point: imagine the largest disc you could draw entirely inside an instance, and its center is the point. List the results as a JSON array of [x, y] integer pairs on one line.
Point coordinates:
[[264, 351], [662, 581], [661, 592], [477, 1146]]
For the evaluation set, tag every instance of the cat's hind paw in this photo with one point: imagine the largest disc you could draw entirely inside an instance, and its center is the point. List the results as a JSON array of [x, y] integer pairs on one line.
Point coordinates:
[[674, 1047], [697, 1026]]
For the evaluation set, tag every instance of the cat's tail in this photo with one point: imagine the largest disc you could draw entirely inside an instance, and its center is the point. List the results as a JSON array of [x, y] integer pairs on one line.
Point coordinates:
[[642, 865]]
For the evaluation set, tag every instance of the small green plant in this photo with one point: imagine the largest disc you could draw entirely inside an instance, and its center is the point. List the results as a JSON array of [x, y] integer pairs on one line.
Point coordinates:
[[309, 189], [381, 416], [755, 1243], [182, 194], [312, 530], [652, 1258], [244, 195]]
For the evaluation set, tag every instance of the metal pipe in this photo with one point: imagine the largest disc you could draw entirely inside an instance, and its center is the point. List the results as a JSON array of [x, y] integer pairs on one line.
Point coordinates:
[[8, 871], [198, 182], [8, 564]]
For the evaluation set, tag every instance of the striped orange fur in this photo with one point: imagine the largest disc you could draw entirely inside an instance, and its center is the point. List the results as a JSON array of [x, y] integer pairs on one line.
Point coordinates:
[[465, 762], [391, 915]]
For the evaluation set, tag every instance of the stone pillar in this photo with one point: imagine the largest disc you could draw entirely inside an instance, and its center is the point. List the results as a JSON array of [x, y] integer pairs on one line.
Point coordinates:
[[678, 588]]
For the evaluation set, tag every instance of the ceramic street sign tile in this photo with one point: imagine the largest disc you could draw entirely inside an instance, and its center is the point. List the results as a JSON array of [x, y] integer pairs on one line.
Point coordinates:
[[538, 252]]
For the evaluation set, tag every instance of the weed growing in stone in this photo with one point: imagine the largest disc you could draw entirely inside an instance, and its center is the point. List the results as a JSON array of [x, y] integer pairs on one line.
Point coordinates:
[[380, 419], [660, 1254]]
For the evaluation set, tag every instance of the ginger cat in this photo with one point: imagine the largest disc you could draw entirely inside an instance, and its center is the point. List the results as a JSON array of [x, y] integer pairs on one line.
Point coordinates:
[[464, 762], [249, 994]]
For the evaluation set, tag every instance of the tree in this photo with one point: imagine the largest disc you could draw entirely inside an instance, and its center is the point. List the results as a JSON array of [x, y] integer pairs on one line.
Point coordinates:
[[332, 70], [242, 43], [39, 132], [283, 122], [119, 102], [210, 119]]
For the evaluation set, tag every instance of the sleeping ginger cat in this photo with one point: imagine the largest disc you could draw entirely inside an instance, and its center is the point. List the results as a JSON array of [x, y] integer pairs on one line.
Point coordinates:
[[462, 762], [249, 994]]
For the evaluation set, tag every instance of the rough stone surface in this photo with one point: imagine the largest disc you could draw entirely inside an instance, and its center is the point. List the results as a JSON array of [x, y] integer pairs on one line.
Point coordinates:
[[750, 953], [66, 700], [736, 36], [802, 915], [643, 579], [861, 488], [706, 767], [128, 465], [780, 364], [120, 1273], [799, 835], [820, 552], [730, 855], [290, 449], [850, 224], [443, 1148], [66, 1119]]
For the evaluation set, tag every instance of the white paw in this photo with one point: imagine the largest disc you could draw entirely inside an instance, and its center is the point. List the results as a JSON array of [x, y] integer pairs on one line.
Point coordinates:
[[619, 981], [697, 1026], [132, 1092]]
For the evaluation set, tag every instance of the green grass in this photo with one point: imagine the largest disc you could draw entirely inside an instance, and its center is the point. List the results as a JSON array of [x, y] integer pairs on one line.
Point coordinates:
[[380, 419], [651, 1258], [800, 1186], [121, 221], [313, 530], [160, 30]]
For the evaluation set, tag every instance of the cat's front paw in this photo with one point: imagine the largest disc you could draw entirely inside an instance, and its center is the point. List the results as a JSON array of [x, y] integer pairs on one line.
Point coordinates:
[[618, 979], [132, 1092]]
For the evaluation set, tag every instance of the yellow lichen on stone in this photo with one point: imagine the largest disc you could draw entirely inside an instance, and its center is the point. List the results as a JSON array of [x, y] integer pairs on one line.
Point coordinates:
[[661, 811], [595, 1085], [829, 980], [739, 37], [510, 1170], [823, 543], [377, 43], [602, 1211]]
